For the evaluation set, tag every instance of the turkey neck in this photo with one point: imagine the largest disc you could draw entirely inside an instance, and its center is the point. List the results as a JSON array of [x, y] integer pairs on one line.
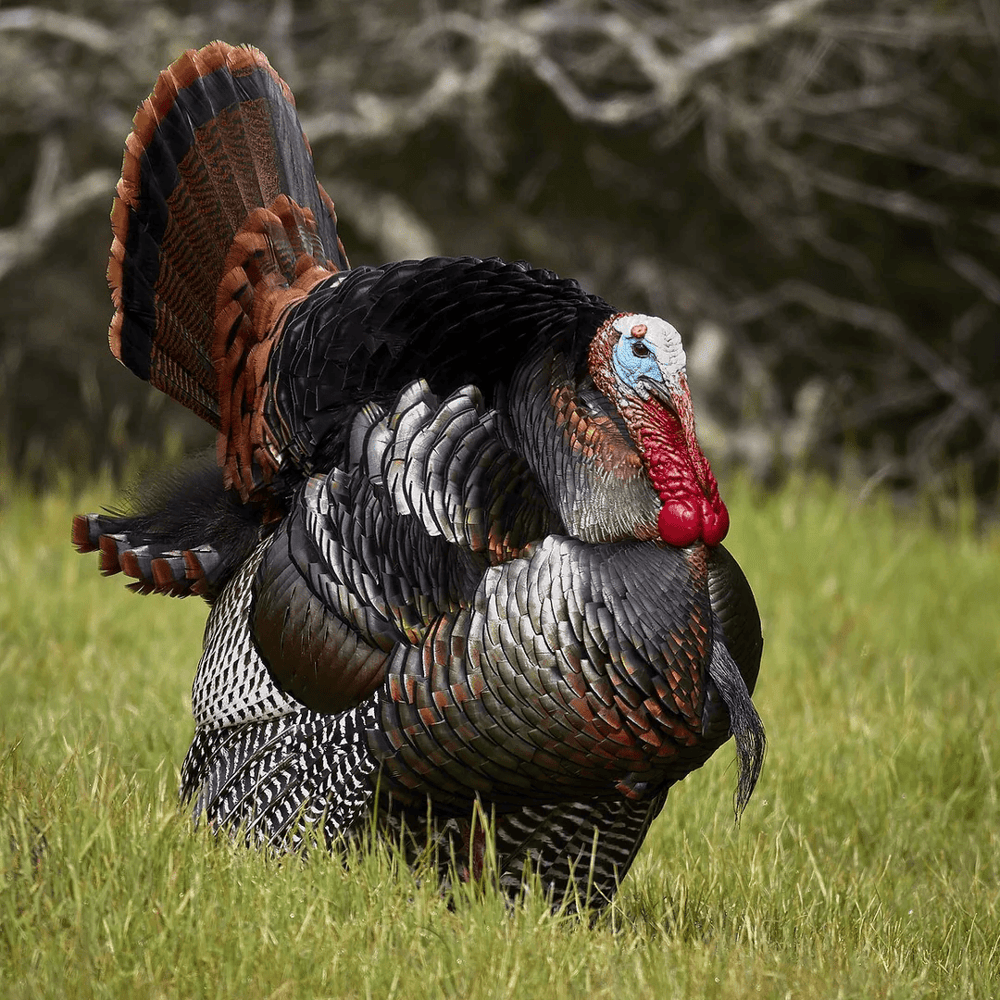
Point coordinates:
[[588, 468], [680, 473]]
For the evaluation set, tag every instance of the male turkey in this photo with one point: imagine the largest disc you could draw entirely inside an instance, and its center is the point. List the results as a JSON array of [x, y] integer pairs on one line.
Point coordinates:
[[461, 545]]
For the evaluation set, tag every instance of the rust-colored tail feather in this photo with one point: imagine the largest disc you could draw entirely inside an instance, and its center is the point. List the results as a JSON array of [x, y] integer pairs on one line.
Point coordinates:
[[219, 228], [155, 566]]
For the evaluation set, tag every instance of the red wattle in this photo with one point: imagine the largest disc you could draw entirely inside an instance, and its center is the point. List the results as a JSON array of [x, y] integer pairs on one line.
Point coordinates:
[[715, 524], [682, 523], [679, 523]]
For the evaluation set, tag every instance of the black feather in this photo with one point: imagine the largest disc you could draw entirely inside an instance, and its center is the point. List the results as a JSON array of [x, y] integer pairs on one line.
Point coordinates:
[[189, 508], [440, 592]]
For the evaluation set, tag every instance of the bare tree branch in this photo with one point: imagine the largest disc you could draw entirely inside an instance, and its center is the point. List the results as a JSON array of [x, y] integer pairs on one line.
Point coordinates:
[[780, 168], [976, 274], [385, 220], [888, 325], [74, 29], [903, 30], [878, 140], [501, 42], [50, 205]]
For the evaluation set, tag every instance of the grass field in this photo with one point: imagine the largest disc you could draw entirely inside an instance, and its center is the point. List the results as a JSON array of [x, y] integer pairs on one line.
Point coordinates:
[[867, 864]]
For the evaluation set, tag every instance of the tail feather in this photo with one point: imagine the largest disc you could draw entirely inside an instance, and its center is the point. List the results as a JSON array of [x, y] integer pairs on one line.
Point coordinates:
[[220, 226], [155, 568], [186, 534]]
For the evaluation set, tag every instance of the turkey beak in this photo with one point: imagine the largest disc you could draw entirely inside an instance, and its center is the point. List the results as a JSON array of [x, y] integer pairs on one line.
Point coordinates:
[[661, 393]]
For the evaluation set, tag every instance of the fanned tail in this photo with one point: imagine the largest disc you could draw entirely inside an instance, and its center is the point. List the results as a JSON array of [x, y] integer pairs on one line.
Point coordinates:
[[220, 226]]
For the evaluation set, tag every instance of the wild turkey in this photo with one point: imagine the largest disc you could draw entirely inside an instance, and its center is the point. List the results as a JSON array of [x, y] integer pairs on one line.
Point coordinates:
[[461, 545]]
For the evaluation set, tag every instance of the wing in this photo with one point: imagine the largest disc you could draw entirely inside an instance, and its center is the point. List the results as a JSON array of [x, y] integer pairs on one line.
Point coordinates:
[[264, 763], [370, 557]]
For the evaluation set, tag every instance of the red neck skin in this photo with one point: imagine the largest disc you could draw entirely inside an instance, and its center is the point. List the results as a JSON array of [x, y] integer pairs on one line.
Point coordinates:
[[692, 508]]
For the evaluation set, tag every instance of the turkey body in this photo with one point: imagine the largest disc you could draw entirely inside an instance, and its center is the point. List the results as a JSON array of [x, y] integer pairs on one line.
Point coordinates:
[[461, 546]]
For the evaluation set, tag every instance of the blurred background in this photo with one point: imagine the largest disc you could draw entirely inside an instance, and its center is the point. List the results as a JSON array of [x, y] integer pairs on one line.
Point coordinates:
[[808, 190]]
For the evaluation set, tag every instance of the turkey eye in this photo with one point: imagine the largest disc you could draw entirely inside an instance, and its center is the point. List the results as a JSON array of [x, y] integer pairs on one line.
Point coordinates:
[[640, 350]]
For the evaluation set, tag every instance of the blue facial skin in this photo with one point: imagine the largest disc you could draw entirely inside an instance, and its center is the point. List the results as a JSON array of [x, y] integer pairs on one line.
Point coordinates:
[[631, 368]]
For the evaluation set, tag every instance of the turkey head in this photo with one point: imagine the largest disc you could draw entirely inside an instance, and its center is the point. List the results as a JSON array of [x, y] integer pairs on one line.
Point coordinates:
[[638, 363]]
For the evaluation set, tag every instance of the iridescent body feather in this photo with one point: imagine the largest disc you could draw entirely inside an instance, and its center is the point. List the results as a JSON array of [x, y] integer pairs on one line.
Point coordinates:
[[461, 545]]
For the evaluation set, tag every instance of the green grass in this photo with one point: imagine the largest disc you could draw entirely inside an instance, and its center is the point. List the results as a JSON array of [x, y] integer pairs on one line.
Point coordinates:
[[867, 864]]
